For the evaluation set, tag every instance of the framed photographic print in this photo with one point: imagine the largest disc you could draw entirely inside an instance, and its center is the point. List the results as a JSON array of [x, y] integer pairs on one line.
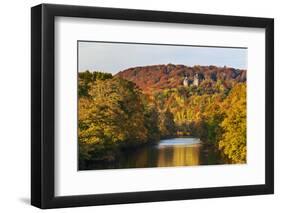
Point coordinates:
[[140, 106]]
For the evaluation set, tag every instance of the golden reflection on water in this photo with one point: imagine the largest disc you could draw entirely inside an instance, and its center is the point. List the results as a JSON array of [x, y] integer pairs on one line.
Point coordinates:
[[167, 153], [179, 156]]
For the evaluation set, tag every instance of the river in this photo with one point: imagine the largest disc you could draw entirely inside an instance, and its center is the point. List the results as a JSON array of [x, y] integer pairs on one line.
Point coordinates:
[[172, 152]]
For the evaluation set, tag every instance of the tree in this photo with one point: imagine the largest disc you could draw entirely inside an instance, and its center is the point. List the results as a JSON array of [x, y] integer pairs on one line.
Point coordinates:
[[87, 78], [166, 124], [112, 114], [233, 140], [151, 123]]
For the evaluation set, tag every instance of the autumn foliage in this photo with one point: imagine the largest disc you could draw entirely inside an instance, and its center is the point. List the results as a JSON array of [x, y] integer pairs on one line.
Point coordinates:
[[144, 104]]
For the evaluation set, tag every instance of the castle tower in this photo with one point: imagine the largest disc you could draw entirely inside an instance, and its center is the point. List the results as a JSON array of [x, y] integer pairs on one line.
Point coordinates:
[[196, 80], [185, 82]]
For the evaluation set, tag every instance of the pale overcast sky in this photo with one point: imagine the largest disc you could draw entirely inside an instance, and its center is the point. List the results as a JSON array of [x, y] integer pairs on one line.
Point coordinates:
[[115, 57]]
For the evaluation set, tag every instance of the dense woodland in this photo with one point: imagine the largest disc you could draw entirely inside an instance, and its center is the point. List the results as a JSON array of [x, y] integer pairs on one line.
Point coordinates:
[[126, 110]]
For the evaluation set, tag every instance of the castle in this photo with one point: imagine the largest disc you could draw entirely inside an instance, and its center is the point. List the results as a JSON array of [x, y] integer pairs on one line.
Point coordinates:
[[185, 81], [195, 81]]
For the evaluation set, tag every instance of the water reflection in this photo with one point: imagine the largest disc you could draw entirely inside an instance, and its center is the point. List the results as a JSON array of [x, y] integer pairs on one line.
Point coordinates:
[[168, 153], [179, 155]]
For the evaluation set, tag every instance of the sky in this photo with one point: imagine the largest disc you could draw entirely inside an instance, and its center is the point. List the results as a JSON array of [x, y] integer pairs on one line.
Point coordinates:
[[115, 57]]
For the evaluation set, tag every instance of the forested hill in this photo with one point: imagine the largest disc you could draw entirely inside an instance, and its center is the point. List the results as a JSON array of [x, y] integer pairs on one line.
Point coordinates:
[[157, 77]]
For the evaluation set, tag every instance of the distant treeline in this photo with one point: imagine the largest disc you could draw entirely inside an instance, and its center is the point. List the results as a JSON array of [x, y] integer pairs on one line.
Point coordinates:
[[115, 114]]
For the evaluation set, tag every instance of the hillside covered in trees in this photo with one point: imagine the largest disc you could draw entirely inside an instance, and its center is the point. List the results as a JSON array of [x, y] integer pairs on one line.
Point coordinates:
[[158, 77], [142, 105]]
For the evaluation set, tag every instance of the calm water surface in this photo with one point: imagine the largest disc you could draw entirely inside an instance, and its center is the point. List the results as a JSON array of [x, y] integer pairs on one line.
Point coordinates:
[[167, 153]]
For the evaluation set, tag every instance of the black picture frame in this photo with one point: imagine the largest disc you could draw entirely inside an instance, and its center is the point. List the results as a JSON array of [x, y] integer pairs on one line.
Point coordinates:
[[43, 102]]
